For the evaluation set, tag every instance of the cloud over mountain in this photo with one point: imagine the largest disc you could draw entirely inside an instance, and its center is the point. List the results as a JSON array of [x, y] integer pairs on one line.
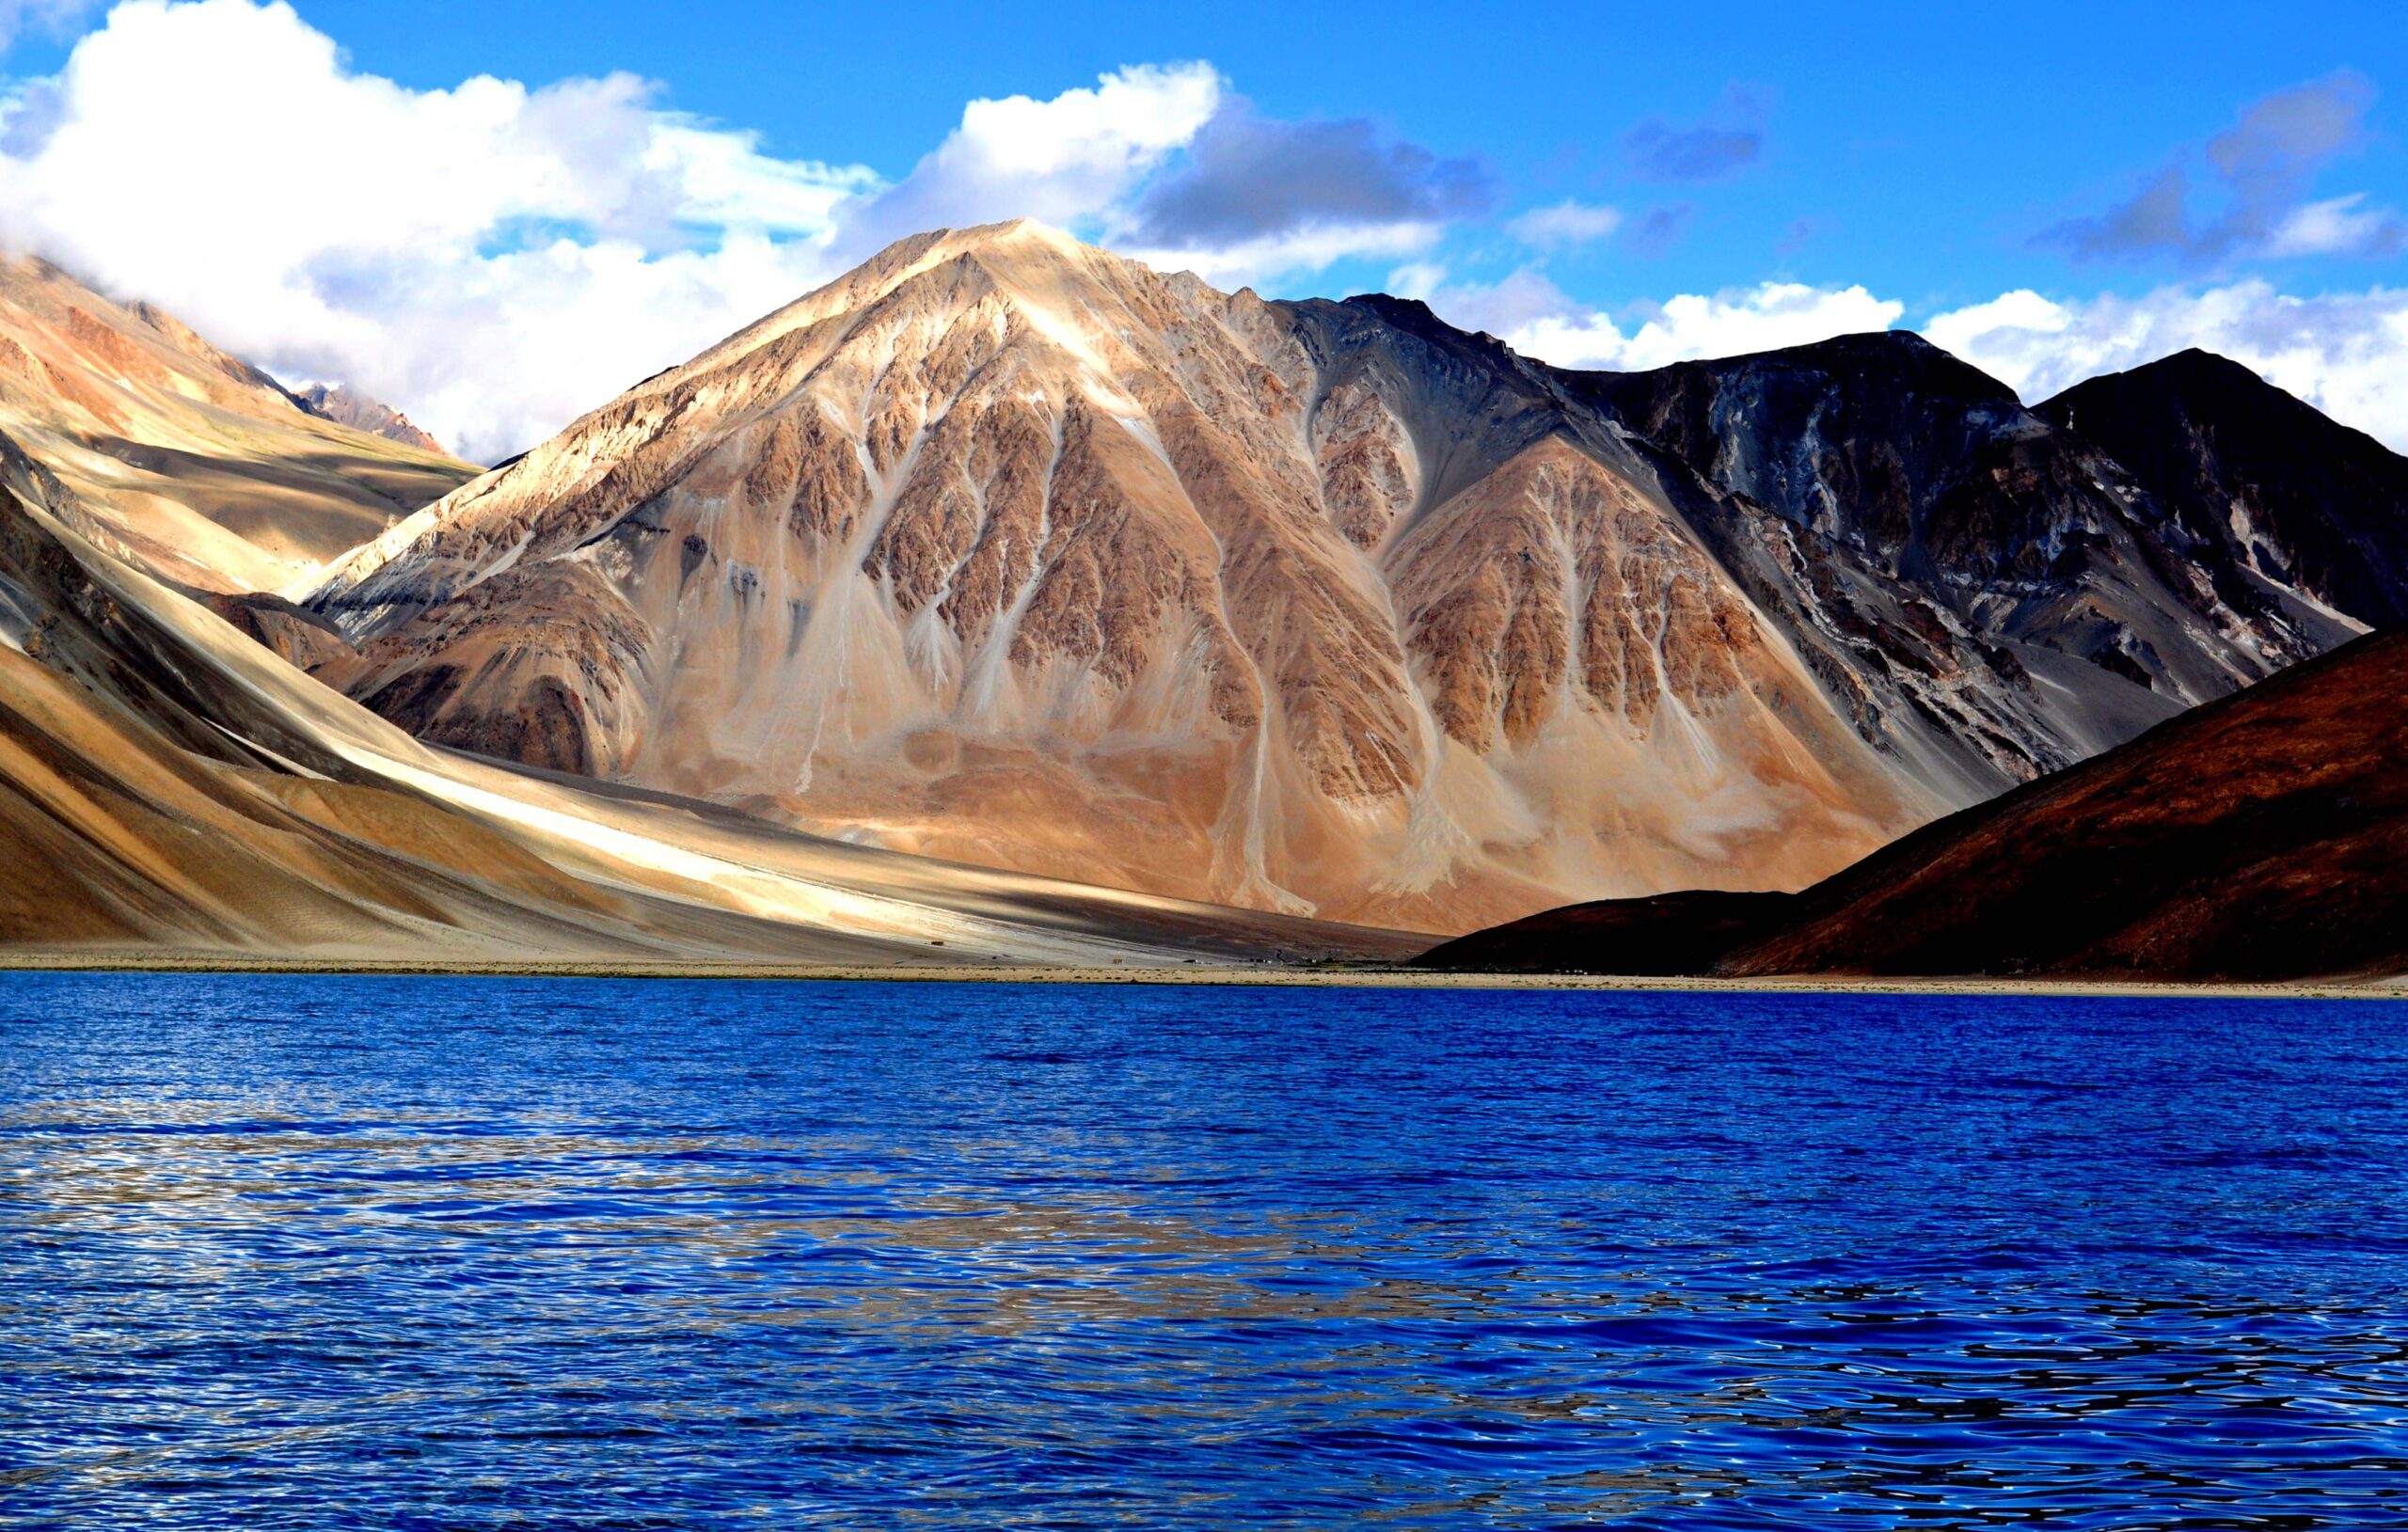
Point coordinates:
[[1532, 314], [498, 257], [1250, 180], [2347, 354], [524, 250]]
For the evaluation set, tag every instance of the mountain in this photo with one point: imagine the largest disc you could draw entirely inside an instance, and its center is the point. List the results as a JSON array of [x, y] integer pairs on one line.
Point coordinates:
[[2262, 837], [1009, 550], [361, 413], [166, 784], [1945, 552], [189, 461], [1005, 549], [2273, 486]]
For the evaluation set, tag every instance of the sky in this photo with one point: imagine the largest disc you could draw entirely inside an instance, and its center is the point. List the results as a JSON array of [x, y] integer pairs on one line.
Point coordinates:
[[497, 216]]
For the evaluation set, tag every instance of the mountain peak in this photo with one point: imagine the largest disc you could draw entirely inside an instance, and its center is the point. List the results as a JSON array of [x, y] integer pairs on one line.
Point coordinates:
[[2298, 497], [344, 406], [1018, 231]]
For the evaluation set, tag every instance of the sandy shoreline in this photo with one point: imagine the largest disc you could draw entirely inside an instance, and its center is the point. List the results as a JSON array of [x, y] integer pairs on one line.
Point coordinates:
[[1325, 975]]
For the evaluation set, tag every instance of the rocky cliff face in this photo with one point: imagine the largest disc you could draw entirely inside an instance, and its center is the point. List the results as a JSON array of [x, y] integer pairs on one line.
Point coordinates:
[[1996, 592], [190, 461], [1009, 550], [361, 413]]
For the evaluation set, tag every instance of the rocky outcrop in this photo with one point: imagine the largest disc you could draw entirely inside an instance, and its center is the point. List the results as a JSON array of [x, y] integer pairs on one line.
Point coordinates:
[[1989, 586], [359, 412], [2262, 837]]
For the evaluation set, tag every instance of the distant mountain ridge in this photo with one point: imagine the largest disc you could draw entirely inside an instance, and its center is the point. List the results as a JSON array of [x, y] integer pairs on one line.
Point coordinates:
[[1006, 548], [340, 404], [190, 461]]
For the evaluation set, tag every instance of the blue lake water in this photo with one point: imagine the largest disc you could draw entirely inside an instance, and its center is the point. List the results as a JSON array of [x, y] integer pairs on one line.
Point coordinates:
[[464, 1253]]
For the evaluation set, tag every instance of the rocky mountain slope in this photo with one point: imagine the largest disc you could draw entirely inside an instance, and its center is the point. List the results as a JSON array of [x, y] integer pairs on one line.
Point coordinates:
[[192, 462], [1008, 549], [166, 784], [1942, 548], [2264, 836], [361, 413]]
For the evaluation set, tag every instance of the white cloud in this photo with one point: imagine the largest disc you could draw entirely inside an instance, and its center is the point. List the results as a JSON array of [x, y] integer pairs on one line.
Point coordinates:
[[1062, 161], [494, 257], [2347, 354], [1565, 224], [1505, 308], [1266, 256], [2341, 226], [1538, 320]]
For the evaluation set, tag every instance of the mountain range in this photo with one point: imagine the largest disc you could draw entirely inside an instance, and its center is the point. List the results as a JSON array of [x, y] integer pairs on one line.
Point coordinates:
[[1008, 589], [1007, 550]]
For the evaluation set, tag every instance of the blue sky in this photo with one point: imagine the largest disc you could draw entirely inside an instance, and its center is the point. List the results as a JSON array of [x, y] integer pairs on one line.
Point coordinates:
[[1921, 146], [2090, 183]]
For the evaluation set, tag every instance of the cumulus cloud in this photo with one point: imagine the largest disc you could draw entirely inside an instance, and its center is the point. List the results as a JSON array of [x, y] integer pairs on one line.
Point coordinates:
[[2346, 353], [1505, 308], [1060, 160], [1536, 318], [493, 258], [1565, 224], [2258, 174], [1728, 139], [1766, 317], [498, 257]]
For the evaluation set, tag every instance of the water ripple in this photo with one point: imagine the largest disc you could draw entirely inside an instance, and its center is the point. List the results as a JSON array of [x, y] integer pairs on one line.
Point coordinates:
[[469, 1254]]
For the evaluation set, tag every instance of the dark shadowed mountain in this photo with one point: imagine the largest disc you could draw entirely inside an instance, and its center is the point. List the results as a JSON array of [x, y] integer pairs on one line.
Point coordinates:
[[2274, 487], [2262, 837]]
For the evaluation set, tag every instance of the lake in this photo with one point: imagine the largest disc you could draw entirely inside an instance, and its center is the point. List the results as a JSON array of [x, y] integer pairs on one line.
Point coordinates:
[[304, 1252]]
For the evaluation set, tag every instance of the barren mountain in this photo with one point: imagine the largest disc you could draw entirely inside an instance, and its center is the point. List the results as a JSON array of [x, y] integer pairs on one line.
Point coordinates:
[[361, 413], [2275, 488], [190, 461], [1943, 553], [166, 784], [2264, 836], [1008, 549]]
